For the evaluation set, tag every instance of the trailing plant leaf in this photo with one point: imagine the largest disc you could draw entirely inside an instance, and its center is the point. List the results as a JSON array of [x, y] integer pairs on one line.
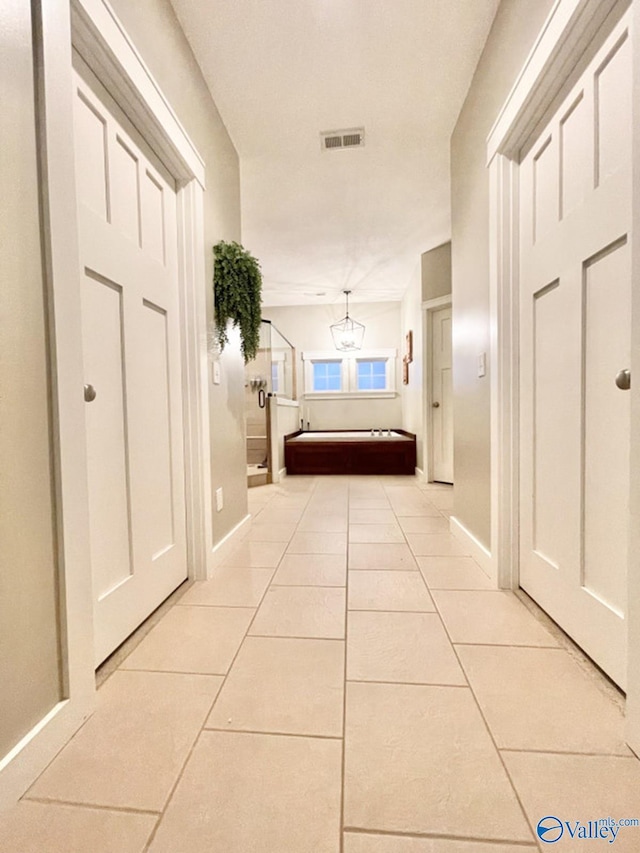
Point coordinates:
[[237, 292]]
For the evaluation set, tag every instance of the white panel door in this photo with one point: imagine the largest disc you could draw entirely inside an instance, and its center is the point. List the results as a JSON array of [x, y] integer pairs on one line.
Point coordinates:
[[441, 397], [130, 315], [575, 304]]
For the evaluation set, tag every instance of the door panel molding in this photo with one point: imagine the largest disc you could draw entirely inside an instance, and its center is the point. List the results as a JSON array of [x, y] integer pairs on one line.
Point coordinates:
[[573, 27], [570, 28], [103, 43]]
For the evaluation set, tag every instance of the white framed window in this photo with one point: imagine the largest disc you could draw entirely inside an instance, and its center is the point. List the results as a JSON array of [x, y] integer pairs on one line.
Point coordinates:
[[280, 375], [363, 373], [371, 374], [327, 376]]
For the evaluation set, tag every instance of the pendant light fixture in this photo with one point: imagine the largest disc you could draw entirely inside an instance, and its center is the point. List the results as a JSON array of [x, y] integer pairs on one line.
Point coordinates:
[[347, 334]]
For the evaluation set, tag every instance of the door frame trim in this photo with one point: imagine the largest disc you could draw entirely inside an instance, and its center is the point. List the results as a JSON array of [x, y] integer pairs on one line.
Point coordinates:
[[101, 39], [52, 69], [429, 306], [93, 28], [569, 29]]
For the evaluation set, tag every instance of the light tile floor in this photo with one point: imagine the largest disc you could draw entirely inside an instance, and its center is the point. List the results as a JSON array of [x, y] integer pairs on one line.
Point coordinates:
[[348, 682]]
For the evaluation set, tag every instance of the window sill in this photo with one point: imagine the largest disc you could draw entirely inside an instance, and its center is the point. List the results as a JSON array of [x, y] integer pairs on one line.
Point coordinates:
[[350, 395]]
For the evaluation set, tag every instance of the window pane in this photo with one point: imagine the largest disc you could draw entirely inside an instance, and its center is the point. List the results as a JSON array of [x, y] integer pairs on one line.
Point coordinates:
[[274, 377], [327, 376], [372, 375]]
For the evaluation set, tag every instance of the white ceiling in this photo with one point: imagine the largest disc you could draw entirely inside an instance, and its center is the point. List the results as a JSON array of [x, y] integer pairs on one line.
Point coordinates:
[[282, 71]]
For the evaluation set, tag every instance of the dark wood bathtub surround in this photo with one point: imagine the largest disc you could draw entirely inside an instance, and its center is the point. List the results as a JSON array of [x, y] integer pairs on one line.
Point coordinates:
[[366, 455]]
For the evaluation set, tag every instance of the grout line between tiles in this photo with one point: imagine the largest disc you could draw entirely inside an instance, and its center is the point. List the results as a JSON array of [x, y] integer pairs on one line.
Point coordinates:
[[510, 645], [98, 807], [406, 683], [489, 732], [403, 569], [460, 589], [308, 585], [303, 735], [202, 727], [294, 637], [220, 606], [629, 757], [64, 745], [174, 672], [383, 610], [344, 684], [357, 830]]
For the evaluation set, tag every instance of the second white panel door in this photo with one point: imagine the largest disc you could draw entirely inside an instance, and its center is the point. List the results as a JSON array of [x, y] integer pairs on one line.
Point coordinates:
[[441, 397], [575, 303]]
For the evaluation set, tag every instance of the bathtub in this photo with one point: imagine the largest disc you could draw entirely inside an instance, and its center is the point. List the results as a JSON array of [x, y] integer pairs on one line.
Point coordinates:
[[350, 452]]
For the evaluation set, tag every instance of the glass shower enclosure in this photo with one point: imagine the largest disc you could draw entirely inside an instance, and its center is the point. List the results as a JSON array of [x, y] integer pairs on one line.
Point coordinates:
[[271, 373]]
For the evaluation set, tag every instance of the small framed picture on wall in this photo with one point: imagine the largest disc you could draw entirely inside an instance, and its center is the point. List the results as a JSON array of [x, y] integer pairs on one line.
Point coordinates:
[[409, 346]]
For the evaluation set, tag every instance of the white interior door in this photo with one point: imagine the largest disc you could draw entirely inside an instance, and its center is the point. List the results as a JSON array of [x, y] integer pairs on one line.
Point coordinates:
[[441, 396], [575, 308], [130, 310]]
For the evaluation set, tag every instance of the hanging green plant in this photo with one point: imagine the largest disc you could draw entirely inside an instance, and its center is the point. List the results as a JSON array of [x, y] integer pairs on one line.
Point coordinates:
[[237, 293]]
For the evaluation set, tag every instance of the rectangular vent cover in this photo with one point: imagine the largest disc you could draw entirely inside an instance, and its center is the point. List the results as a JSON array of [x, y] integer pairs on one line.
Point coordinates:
[[352, 138]]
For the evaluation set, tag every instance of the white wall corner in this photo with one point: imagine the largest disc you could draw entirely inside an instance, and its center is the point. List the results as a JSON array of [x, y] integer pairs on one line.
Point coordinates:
[[476, 549], [222, 549]]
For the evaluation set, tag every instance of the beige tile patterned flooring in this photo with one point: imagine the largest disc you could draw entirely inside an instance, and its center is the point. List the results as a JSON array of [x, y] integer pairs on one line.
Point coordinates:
[[348, 682]]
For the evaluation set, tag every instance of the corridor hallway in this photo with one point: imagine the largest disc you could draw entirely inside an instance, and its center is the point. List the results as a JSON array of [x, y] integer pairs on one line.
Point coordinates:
[[464, 718]]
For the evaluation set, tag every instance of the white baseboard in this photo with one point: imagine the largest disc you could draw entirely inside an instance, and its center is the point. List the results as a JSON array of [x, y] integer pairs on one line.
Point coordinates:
[[419, 473], [223, 548], [282, 473], [477, 550]]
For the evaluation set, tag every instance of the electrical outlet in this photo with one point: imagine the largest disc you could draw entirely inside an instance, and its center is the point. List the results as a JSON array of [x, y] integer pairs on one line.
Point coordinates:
[[219, 499]]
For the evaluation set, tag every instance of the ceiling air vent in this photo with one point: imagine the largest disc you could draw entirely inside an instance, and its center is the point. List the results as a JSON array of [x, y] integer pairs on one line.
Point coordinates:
[[351, 138]]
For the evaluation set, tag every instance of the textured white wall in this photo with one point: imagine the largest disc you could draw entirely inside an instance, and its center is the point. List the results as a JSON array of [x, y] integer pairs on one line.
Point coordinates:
[[29, 658], [514, 31]]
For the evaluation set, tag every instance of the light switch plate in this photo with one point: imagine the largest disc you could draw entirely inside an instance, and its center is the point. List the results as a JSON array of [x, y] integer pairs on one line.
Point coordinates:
[[216, 372], [482, 364], [219, 499]]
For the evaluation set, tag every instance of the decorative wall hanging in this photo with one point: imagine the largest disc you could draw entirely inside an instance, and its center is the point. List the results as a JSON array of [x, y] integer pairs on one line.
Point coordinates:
[[405, 371], [237, 294], [409, 346]]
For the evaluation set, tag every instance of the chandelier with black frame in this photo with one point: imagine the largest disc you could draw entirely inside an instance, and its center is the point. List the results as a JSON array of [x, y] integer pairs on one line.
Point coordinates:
[[348, 334]]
